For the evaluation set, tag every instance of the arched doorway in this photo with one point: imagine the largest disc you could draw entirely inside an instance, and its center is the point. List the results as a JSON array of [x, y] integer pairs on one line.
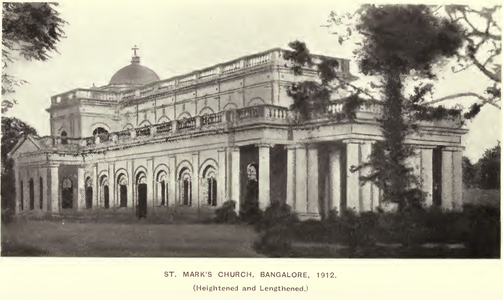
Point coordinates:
[[250, 208], [122, 183], [67, 194], [141, 182], [105, 193], [89, 193], [209, 186], [32, 194], [162, 188], [185, 184]]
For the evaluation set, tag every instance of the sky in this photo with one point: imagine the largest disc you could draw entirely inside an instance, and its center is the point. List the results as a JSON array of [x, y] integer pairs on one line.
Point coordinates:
[[179, 37]]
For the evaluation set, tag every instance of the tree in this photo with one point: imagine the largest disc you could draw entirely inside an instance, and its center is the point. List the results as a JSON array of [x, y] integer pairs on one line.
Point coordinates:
[[30, 31], [469, 173], [400, 42], [481, 36], [13, 130], [489, 172]]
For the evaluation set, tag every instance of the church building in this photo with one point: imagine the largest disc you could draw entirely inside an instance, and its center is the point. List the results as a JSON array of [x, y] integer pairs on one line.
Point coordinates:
[[225, 132]]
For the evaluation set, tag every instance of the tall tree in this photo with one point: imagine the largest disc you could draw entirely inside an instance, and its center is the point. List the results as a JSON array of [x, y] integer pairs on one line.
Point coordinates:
[[399, 42], [13, 130], [489, 172], [30, 31]]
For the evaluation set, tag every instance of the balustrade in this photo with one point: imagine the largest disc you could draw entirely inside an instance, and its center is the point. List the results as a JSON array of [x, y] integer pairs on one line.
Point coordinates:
[[186, 124], [211, 119]]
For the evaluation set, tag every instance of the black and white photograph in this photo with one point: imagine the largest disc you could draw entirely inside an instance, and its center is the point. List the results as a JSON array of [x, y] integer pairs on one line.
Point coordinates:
[[261, 130]]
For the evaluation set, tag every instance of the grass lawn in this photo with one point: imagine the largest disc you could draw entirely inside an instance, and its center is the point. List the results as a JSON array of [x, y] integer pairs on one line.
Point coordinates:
[[44, 238]]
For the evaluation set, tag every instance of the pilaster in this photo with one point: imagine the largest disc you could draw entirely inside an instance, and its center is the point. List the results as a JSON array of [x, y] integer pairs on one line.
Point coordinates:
[[290, 176], [112, 185], [54, 188], [335, 179], [457, 180], [172, 190], [81, 188], [197, 180], [301, 180], [150, 185], [222, 172], [366, 192], [264, 176], [352, 180], [17, 178], [427, 174], [234, 176], [447, 182], [95, 186], [312, 182]]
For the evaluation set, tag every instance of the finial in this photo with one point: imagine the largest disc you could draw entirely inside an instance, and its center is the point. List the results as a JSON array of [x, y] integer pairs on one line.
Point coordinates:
[[136, 59]]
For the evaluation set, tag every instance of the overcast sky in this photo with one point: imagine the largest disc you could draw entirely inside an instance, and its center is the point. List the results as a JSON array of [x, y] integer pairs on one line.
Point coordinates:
[[179, 37]]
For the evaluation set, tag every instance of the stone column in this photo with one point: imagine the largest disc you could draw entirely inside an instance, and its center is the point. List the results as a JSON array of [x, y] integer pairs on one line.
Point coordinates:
[[301, 181], [150, 185], [290, 176], [447, 179], [335, 179], [17, 178], [352, 180], [81, 188], [111, 185], [427, 174], [172, 190], [95, 186], [45, 189], [196, 180], [53, 186], [312, 182], [457, 180], [234, 176], [264, 176], [222, 171], [366, 193]]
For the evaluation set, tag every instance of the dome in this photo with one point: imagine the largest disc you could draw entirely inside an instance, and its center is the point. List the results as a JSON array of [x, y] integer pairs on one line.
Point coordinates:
[[134, 74]]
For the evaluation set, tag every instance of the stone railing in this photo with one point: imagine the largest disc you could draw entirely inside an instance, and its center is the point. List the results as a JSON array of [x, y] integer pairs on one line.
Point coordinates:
[[259, 115]]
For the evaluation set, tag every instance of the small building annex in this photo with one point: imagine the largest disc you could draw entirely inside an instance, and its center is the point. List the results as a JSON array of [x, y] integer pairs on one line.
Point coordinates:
[[221, 133]]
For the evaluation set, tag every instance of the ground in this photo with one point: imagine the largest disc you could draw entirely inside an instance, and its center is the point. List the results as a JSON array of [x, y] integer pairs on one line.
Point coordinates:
[[43, 238]]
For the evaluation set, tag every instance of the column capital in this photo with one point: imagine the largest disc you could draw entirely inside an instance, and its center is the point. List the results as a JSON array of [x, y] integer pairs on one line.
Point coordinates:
[[195, 153], [312, 147], [234, 149], [289, 147], [221, 149], [424, 146]]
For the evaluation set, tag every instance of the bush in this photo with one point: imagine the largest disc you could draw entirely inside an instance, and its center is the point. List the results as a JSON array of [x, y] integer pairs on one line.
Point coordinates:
[[277, 213], [275, 242], [250, 212], [226, 213]]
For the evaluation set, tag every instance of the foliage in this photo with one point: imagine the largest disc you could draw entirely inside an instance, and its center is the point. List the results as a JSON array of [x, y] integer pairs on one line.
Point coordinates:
[[13, 130], [477, 228], [226, 213], [249, 211], [278, 213], [29, 31], [486, 173], [489, 165]]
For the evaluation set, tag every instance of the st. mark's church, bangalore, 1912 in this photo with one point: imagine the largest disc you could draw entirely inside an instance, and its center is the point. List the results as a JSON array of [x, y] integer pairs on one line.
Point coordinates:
[[197, 140]]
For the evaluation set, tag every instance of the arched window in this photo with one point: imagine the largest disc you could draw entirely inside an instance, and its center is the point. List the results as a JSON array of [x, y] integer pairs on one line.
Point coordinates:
[[122, 190], [162, 188], [185, 184], [41, 192], [32, 194], [67, 194], [89, 193], [64, 139], [104, 193], [102, 133], [209, 186], [22, 196], [141, 184]]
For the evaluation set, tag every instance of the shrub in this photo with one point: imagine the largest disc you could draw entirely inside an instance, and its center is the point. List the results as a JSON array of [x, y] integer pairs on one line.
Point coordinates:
[[277, 213], [226, 213], [275, 242]]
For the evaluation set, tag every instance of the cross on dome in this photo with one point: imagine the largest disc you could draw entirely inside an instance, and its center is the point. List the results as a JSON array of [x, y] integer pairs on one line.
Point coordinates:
[[134, 49]]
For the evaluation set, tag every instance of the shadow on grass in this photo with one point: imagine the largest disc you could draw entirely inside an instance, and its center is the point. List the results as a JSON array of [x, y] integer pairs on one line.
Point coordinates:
[[12, 249]]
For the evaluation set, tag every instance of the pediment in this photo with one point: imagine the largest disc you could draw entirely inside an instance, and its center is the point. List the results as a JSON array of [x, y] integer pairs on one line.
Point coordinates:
[[26, 145]]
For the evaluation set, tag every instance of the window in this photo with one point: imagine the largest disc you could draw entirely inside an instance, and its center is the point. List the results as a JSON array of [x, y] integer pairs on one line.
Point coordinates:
[[64, 139]]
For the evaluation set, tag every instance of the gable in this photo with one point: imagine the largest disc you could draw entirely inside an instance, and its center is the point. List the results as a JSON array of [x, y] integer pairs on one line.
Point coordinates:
[[25, 145]]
